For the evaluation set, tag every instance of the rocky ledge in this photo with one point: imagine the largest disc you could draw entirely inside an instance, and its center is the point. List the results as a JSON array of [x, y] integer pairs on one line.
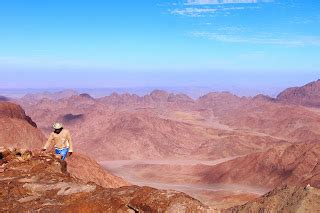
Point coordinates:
[[40, 182]]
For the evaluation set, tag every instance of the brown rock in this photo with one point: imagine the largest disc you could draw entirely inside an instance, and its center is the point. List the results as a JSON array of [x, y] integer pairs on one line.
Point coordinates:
[[38, 184], [284, 199], [86, 169], [17, 129]]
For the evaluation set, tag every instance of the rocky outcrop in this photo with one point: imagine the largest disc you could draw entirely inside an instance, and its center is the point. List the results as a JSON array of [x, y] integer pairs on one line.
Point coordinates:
[[88, 170], [284, 199], [17, 129], [11, 110], [307, 95], [41, 182]]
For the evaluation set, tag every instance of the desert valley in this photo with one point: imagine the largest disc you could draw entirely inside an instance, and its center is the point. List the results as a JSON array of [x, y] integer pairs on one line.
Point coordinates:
[[223, 152]]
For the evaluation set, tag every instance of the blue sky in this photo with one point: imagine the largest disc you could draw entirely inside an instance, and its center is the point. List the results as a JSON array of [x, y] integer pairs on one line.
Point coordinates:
[[131, 43]]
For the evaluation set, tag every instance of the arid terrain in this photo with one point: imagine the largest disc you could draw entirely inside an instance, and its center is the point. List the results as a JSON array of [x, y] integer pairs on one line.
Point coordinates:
[[40, 182], [221, 149]]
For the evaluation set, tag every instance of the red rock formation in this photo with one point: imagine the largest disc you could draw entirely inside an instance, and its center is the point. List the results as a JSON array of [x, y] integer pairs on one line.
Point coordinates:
[[10, 110], [17, 129], [88, 170], [41, 183], [307, 95]]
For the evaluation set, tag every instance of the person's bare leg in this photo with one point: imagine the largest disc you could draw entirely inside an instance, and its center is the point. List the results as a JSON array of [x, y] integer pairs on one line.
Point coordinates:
[[58, 156]]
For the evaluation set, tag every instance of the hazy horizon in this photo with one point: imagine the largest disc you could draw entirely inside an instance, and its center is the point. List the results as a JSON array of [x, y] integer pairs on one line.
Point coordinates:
[[251, 45], [192, 91]]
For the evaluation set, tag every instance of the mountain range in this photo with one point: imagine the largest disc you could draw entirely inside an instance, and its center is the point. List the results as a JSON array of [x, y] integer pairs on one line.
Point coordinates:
[[263, 141]]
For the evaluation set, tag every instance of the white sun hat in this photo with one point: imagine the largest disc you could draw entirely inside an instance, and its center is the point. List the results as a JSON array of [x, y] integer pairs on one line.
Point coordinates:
[[57, 125]]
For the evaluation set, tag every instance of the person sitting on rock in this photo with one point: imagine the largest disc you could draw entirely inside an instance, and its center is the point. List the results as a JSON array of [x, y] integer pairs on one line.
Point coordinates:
[[62, 141]]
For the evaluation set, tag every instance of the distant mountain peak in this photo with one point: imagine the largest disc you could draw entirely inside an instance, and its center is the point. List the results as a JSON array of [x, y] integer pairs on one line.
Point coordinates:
[[3, 98], [159, 94], [86, 95], [307, 95], [51, 95]]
